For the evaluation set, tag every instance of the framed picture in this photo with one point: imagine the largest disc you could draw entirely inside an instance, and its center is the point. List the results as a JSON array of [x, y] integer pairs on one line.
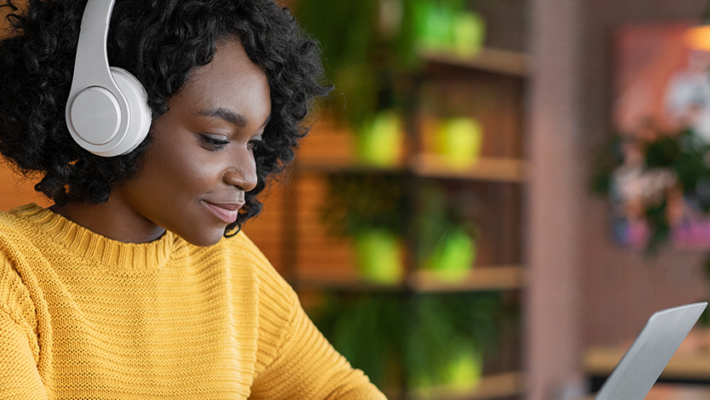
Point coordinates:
[[661, 87]]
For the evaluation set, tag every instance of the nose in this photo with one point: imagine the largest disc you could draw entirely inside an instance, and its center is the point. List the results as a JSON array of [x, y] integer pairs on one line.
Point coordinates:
[[243, 178]]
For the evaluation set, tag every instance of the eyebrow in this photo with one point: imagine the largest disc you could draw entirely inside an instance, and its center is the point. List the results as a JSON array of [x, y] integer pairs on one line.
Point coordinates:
[[229, 116]]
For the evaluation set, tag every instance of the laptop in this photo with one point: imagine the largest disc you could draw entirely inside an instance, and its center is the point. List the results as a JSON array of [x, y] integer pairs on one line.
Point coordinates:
[[641, 366]]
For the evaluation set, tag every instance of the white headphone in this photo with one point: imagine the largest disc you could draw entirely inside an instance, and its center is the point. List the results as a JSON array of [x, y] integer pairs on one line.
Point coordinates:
[[107, 111]]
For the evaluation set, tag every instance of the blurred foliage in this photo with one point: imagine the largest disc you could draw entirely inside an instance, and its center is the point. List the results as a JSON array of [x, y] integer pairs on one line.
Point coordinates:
[[368, 48], [371, 47], [387, 334], [360, 202], [367, 201]]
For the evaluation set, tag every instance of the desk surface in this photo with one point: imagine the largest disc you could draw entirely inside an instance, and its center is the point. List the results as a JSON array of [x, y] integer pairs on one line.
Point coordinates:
[[691, 361], [686, 364], [663, 391], [678, 392]]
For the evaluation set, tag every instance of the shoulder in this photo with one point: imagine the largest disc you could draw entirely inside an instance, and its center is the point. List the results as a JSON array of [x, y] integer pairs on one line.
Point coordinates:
[[11, 224], [21, 239], [17, 279], [242, 250], [21, 227], [272, 286], [16, 236]]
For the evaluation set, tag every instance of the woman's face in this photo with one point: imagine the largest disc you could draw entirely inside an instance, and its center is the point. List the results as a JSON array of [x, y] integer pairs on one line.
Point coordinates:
[[193, 178]]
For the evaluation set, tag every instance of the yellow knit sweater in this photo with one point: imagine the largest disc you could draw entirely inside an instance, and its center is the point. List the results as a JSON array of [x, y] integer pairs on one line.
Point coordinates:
[[86, 317]]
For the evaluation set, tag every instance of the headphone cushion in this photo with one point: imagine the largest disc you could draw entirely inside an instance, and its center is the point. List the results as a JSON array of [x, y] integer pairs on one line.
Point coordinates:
[[141, 116]]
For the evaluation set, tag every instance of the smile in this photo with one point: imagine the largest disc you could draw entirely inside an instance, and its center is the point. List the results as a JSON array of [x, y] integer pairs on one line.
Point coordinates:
[[228, 213]]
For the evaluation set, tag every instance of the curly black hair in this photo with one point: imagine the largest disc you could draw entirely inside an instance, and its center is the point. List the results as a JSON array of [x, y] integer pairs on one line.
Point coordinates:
[[160, 42]]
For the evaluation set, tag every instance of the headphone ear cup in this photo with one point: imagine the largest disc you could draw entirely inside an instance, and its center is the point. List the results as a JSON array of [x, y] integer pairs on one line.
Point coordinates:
[[140, 114]]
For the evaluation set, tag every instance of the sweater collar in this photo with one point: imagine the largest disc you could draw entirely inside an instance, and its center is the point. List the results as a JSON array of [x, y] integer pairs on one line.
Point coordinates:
[[97, 248]]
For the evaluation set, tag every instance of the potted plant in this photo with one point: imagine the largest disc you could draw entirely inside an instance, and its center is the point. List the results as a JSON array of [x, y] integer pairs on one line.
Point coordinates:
[[369, 51], [445, 238], [372, 210]]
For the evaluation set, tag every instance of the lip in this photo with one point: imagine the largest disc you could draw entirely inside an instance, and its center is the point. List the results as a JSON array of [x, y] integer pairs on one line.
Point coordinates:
[[227, 212]]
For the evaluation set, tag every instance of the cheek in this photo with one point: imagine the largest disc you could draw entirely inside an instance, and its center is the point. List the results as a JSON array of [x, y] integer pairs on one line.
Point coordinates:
[[177, 169]]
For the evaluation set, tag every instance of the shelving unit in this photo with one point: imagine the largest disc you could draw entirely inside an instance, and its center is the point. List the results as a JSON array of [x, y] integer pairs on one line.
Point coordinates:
[[313, 261]]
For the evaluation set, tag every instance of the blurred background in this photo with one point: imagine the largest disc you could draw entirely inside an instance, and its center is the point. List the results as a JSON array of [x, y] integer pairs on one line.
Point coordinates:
[[499, 193]]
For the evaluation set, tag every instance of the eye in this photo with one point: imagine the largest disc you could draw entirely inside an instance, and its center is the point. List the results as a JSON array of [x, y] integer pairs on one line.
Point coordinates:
[[215, 144]]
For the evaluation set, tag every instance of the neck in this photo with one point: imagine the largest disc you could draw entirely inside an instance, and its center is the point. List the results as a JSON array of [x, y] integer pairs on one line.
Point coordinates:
[[109, 221]]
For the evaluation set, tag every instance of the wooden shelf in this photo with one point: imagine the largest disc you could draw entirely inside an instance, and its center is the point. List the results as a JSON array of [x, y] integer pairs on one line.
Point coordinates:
[[491, 387], [490, 169], [507, 277], [335, 165], [432, 166], [600, 361], [488, 59]]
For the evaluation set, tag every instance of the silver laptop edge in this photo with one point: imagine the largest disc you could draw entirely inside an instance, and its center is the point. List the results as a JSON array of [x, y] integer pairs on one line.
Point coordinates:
[[641, 366]]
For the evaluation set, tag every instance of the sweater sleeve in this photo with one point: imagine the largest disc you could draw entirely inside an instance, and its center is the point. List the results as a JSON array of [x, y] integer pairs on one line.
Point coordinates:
[[19, 376], [294, 360], [308, 367], [19, 352]]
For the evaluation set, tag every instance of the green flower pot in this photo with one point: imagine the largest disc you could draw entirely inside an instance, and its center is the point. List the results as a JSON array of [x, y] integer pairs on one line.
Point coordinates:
[[464, 372], [469, 33], [453, 257], [459, 141], [460, 374], [433, 26], [379, 142], [441, 28], [379, 257]]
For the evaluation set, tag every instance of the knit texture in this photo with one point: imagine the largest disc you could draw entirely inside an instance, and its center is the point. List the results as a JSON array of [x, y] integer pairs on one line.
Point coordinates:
[[86, 317]]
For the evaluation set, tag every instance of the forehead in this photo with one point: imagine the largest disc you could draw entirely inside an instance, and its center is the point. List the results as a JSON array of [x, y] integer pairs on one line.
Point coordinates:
[[231, 80]]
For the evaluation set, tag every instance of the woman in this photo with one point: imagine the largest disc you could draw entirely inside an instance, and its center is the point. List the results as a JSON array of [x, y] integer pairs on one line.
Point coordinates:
[[136, 282]]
